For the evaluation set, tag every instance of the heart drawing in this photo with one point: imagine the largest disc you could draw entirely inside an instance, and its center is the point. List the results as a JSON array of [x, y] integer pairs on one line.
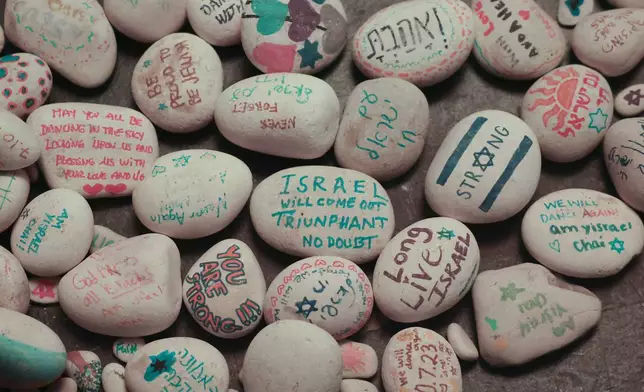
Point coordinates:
[[336, 29], [524, 14], [115, 189], [304, 20], [555, 245], [276, 58], [92, 190], [271, 14]]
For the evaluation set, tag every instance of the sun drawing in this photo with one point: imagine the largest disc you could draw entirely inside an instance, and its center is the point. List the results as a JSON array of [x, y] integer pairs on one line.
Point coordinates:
[[559, 95]]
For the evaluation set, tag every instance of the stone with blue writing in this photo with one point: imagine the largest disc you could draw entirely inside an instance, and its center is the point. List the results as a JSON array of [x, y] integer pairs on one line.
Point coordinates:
[[313, 210], [19, 145], [32, 355], [383, 129], [357, 386], [570, 12], [113, 378], [14, 192], [630, 101], [128, 289], [53, 233], [126, 348], [146, 20], [63, 384], [285, 114], [74, 38], [193, 193], [461, 342], [627, 3], [103, 237], [624, 159], [86, 369], [360, 360], [425, 269], [218, 22], [14, 286], [486, 170], [25, 83], [523, 312], [176, 363], [582, 233]]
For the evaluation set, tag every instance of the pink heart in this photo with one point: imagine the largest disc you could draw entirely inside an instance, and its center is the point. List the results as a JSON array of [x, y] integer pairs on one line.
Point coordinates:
[[276, 58], [92, 190], [115, 189], [524, 14], [304, 20], [338, 264]]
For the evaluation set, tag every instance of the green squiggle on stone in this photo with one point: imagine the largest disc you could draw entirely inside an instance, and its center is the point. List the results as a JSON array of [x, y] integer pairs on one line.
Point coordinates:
[[22, 363]]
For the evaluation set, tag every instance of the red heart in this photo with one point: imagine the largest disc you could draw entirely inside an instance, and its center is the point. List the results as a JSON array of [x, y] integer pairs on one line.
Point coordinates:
[[92, 190], [524, 14], [276, 58], [115, 189]]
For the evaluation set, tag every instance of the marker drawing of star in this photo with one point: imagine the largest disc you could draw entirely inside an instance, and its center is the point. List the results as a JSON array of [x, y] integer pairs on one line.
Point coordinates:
[[310, 307], [445, 234], [617, 246], [147, 63], [163, 106], [633, 98], [182, 160], [598, 120], [159, 364], [25, 213], [510, 292], [310, 54], [487, 161]]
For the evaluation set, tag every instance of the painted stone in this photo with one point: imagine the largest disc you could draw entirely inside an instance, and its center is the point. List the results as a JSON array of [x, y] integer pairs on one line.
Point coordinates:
[[113, 378], [313, 210], [269, 367], [359, 359], [421, 41], [582, 233], [96, 150], [227, 14], [458, 183], [569, 110], [177, 81], [524, 311], [287, 115], [516, 39], [383, 129], [627, 3], [17, 185], [43, 290], [25, 83], [104, 237], [357, 386], [164, 363], [126, 348], [572, 11], [19, 146], [630, 101], [330, 292], [86, 369], [14, 288], [425, 270], [63, 384], [146, 20], [32, 355], [130, 289], [624, 158], [611, 42], [461, 343], [74, 38], [224, 290], [54, 233], [417, 357]]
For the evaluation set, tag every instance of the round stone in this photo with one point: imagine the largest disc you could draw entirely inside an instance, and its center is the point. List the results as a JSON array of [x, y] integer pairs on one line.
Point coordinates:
[[113, 378], [63, 384], [357, 386], [146, 20], [85, 368], [25, 83], [360, 360], [14, 288], [43, 290], [17, 184], [126, 348], [630, 101], [461, 343], [103, 237], [19, 146], [570, 13], [622, 147], [227, 14]]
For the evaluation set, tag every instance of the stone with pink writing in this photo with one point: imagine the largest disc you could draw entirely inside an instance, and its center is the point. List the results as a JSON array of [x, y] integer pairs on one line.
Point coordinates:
[[146, 20], [14, 287], [462, 343], [425, 269], [359, 359], [177, 81], [224, 290], [19, 146], [43, 290], [129, 289], [627, 3], [421, 41], [17, 185], [86, 369], [63, 384], [571, 12], [611, 42], [25, 83], [569, 109], [624, 159], [218, 22], [103, 237], [284, 114], [113, 378], [416, 357], [53, 233], [74, 38], [96, 150], [126, 348], [582, 233], [630, 101], [171, 363], [524, 311], [357, 386]]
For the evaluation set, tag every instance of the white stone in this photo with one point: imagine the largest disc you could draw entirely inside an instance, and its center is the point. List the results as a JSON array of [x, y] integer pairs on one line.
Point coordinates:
[[582, 233], [383, 129], [43, 290], [321, 196], [624, 158], [113, 378], [486, 170], [571, 12], [516, 39], [86, 369], [177, 81], [32, 172], [287, 115], [193, 193], [461, 343], [14, 288], [421, 41], [417, 356], [146, 20], [293, 36], [103, 237], [54, 233], [630, 101], [74, 38], [19, 146], [25, 83], [611, 42], [425, 270], [292, 355], [224, 290], [227, 14], [163, 363], [130, 289], [126, 348], [63, 384], [32, 355], [96, 150], [17, 185], [569, 110], [359, 360], [627, 3], [524, 311], [357, 386]]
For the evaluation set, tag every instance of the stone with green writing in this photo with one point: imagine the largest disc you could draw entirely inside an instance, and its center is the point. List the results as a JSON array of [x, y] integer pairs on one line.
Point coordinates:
[[86, 369], [570, 12], [14, 286], [15, 189], [582, 233], [314, 210], [193, 193], [53, 233], [383, 128], [103, 237], [624, 159], [19, 146], [113, 378], [218, 22], [126, 348], [523, 312], [146, 20], [284, 114]]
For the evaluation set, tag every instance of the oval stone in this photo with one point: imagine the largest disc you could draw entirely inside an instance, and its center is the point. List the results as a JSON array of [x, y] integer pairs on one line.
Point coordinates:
[[569, 110], [360, 360], [630, 101], [85, 368], [357, 386], [146, 20], [54, 233], [582, 233], [25, 83], [103, 237], [193, 193], [462, 343], [63, 384], [570, 13], [330, 292], [14, 287], [96, 150], [516, 39], [16, 183], [19, 146], [313, 210], [627, 3], [224, 290], [425, 270], [203, 14], [383, 129], [82, 47], [177, 81], [113, 378], [126, 348], [486, 170], [622, 147], [43, 290], [421, 41]]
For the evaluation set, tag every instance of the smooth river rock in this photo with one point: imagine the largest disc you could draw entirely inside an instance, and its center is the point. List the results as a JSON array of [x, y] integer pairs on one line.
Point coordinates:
[[86, 369], [19, 146], [43, 290], [630, 101], [14, 287], [360, 360], [357, 386], [63, 384], [113, 378], [462, 343], [146, 20], [126, 348], [571, 12], [103, 237], [25, 83], [626, 3], [227, 14], [624, 158], [17, 185]]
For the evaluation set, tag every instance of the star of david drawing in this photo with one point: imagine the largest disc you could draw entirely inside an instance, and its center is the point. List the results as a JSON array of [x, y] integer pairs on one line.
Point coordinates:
[[598, 120], [617, 246], [181, 161], [487, 161], [310, 307], [445, 234], [147, 63], [510, 292], [25, 213], [633, 97]]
